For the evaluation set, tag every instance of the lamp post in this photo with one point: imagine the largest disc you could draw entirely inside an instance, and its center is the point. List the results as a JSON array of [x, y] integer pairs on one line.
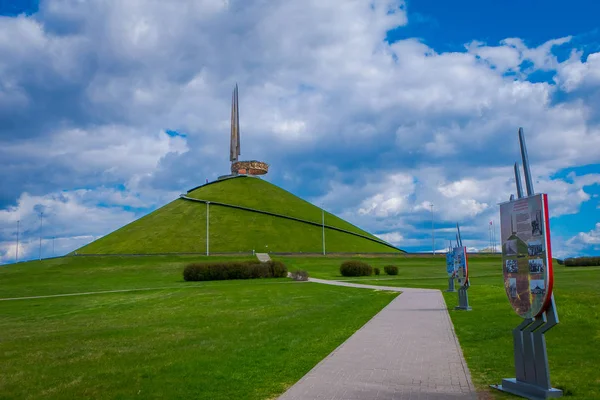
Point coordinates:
[[207, 232], [490, 237], [323, 226], [494, 238], [432, 234], [41, 224], [18, 226]]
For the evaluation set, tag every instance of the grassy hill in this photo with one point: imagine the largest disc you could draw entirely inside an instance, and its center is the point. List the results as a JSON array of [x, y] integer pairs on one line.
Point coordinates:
[[180, 226]]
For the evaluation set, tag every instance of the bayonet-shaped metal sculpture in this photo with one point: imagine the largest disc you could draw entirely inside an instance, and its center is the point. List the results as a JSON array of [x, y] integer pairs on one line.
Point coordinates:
[[234, 146], [461, 251], [525, 158], [518, 181]]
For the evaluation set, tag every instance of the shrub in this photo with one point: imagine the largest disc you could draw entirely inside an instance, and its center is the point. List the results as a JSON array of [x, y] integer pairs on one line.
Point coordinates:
[[376, 271], [234, 270], [355, 268], [559, 261], [277, 268], [299, 275], [568, 262], [391, 269]]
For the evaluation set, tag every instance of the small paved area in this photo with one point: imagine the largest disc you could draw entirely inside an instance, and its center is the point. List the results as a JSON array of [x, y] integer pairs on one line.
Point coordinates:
[[407, 351], [263, 257]]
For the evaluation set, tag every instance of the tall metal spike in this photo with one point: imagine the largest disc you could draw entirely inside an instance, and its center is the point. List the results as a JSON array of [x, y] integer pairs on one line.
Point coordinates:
[[518, 181], [234, 145], [459, 237], [237, 120], [525, 158]]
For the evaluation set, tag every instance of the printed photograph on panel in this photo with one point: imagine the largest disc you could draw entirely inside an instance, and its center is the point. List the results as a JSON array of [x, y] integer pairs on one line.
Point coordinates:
[[536, 223], [537, 286], [538, 291], [522, 301], [535, 248], [536, 266], [512, 267], [512, 287], [510, 247]]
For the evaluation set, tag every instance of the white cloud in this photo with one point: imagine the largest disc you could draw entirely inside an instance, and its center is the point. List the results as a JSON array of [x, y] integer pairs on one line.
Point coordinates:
[[392, 199], [394, 238], [591, 238], [574, 73]]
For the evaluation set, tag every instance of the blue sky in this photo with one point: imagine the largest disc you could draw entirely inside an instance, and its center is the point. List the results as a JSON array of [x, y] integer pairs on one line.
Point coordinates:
[[109, 110]]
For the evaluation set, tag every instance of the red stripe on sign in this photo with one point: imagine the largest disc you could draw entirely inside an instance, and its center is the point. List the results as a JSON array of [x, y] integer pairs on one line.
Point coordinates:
[[466, 267], [549, 270]]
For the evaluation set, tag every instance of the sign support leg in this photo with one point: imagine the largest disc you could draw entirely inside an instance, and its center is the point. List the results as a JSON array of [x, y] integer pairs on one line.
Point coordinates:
[[451, 285], [463, 299], [531, 359]]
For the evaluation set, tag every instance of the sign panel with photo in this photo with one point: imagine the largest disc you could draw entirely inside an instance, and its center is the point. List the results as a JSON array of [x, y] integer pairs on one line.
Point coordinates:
[[461, 265], [450, 264], [526, 254]]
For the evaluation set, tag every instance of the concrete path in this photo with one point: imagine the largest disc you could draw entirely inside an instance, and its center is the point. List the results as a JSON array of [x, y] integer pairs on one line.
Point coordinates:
[[407, 351]]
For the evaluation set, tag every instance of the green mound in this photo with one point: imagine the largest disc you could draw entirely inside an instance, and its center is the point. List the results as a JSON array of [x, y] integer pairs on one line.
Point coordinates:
[[280, 222]]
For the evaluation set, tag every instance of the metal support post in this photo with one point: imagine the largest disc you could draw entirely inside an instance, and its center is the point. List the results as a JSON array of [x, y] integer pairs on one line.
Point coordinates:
[[41, 225], [207, 225], [18, 227], [463, 298], [432, 234], [451, 285], [323, 225]]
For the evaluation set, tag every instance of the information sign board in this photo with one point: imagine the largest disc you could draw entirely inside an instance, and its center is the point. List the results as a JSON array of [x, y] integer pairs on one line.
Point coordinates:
[[461, 265], [450, 264], [526, 254]]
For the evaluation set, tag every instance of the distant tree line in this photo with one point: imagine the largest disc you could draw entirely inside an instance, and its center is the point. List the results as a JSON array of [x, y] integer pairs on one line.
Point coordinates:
[[580, 262]]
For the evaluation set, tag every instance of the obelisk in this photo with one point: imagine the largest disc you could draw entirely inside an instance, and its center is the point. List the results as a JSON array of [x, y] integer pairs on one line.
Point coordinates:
[[234, 146], [246, 168]]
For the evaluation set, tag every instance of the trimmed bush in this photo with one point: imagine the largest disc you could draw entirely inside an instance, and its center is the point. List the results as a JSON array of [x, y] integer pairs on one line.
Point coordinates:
[[234, 270], [355, 268], [299, 275], [391, 269], [277, 268], [376, 270]]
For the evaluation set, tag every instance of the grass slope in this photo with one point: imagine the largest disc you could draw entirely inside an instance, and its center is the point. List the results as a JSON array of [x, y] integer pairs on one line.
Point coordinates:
[[485, 333], [214, 340], [262, 195], [180, 226]]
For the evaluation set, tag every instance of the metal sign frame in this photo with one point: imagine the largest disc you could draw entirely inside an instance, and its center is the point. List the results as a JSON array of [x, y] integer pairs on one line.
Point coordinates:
[[532, 372], [450, 262], [460, 253]]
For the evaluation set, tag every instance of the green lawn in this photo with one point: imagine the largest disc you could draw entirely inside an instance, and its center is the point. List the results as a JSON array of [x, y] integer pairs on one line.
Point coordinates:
[[180, 226], [251, 339], [485, 332], [214, 340]]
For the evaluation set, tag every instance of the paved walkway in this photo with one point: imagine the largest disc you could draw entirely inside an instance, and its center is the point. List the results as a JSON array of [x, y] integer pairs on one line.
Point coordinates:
[[407, 351]]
